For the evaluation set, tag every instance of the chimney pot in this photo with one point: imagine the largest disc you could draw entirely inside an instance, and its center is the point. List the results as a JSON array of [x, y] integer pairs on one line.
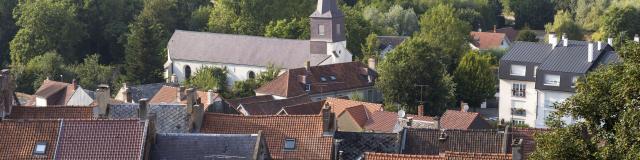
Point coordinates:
[[142, 110], [421, 110], [636, 38], [610, 41], [590, 52], [565, 40], [599, 45]]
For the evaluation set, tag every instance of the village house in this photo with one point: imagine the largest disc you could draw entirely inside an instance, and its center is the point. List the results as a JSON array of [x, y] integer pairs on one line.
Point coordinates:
[[535, 76], [60, 93], [246, 56], [489, 40]]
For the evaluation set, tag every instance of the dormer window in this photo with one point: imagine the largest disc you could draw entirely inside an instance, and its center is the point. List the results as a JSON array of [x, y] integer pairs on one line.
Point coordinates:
[[321, 30], [289, 144], [40, 148], [333, 78], [323, 79], [307, 87], [518, 70], [551, 80]]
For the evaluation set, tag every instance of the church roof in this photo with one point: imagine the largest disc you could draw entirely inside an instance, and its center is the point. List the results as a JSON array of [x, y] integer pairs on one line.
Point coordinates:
[[327, 9], [240, 49]]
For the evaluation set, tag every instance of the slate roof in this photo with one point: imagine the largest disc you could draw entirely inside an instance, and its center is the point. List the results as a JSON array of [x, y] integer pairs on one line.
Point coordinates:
[[390, 41], [311, 108], [487, 40], [349, 75], [426, 141], [51, 112], [453, 119], [240, 49], [306, 130], [387, 122], [205, 146], [235, 102], [354, 144], [170, 118], [272, 107], [446, 156], [144, 91], [169, 95], [534, 52], [72, 139]]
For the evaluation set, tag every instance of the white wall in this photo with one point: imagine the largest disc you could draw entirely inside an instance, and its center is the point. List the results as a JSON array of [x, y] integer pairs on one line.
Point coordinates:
[[41, 102], [80, 98], [547, 98], [506, 100], [343, 54], [236, 72]]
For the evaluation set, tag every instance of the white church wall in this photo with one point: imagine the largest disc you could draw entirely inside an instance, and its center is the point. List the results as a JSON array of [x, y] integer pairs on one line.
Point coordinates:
[[235, 72]]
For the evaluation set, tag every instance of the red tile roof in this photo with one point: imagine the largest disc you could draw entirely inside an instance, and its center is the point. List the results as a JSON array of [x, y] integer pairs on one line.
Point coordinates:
[[477, 156], [453, 119], [511, 33], [382, 121], [18, 138], [272, 107], [169, 95], [446, 156], [359, 114], [348, 75], [51, 112], [528, 141], [487, 40], [235, 102], [102, 139], [306, 130], [392, 156], [339, 105]]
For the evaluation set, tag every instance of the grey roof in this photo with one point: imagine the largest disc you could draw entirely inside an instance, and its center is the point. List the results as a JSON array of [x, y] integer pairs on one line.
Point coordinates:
[[571, 59], [390, 41], [204, 146], [240, 49], [327, 9], [528, 52], [170, 118], [144, 91]]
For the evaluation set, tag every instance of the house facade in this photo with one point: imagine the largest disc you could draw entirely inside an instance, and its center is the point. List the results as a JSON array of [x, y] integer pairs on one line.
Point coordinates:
[[535, 76], [246, 56]]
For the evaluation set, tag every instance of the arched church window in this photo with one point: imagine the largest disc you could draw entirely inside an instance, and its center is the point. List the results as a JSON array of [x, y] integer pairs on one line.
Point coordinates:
[[187, 72], [251, 75]]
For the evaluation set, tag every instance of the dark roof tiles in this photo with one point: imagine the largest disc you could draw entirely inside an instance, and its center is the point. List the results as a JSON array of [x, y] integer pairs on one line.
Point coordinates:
[[272, 107], [204, 146]]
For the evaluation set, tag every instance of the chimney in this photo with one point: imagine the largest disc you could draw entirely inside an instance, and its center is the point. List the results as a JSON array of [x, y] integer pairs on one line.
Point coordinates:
[[565, 40], [479, 29], [599, 45], [421, 110], [437, 119], [505, 139], [636, 38], [180, 93], [126, 93], [442, 142], [197, 114], [590, 52], [464, 107], [409, 121], [151, 130], [327, 120], [74, 83], [516, 149], [494, 29], [553, 40], [610, 41], [142, 109], [7, 89], [102, 100], [210, 97], [372, 63], [191, 96], [307, 65]]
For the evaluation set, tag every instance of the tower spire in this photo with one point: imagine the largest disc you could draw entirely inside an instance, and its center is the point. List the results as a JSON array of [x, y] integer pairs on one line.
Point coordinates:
[[327, 9]]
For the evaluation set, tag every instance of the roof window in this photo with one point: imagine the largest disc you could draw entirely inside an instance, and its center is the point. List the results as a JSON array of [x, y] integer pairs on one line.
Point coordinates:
[[289, 144], [333, 78], [40, 148], [323, 79]]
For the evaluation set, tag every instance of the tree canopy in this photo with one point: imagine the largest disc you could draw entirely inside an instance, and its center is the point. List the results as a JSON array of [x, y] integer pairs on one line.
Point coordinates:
[[563, 24], [475, 81], [441, 28]]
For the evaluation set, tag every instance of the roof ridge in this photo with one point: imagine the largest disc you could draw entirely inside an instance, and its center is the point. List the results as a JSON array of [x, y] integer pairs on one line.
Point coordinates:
[[239, 35], [260, 116], [56, 106]]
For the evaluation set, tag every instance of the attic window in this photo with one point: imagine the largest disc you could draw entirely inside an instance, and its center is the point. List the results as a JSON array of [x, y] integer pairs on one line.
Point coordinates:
[[40, 148], [307, 87], [323, 79], [333, 78], [289, 144]]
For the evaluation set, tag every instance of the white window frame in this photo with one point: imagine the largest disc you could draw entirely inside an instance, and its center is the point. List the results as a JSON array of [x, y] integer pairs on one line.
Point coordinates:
[[321, 29], [519, 90], [549, 80], [515, 67]]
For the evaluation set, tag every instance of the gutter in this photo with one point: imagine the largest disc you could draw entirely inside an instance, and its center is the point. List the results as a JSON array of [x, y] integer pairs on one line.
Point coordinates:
[[55, 152]]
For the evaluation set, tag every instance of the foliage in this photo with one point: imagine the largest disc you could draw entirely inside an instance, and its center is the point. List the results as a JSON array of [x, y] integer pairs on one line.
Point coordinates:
[[296, 28], [209, 78], [396, 21], [247, 87], [442, 19], [370, 48], [45, 25], [474, 78], [91, 73], [620, 23], [588, 13], [7, 29], [200, 18], [357, 29], [563, 24], [48, 65], [527, 36], [604, 132], [535, 13], [268, 75], [416, 62]]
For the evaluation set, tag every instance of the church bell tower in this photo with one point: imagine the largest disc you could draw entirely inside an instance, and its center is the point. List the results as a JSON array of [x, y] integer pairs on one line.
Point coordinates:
[[328, 32]]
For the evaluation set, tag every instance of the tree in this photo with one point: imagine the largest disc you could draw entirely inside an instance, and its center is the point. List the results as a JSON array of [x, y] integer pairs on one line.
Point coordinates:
[[200, 18], [8, 28], [242, 89], [268, 75], [563, 24], [209, 78], [441, 28], [90, 73], [288, 28], [620, 23], [48, 65], [535, 13], [608, 132], [416, 62], [357, 29], [371, 47], [527, 36], [45, 25], [396, 21], [588, 13], [475, 79]]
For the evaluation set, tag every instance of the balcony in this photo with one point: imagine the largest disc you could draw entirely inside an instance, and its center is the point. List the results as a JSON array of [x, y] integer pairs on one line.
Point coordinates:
[[518, 112]]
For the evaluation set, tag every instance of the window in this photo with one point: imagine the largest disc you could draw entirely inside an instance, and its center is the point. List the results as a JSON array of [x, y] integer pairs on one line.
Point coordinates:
[[517, 108], [535, 71], [338, 28], [307, 87], [516, 121], [251, 75], [574, 81], [40, 148], [187, 72], [323, 79], [518, 70], [551, 80], [290, 144], [321, 30], [333, 78], [519, 90]]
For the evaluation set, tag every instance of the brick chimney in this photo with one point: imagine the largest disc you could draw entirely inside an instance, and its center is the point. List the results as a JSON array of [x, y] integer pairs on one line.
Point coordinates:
[[142, 108], [103, 96], [180, 93], [421, 110], [191, 96], [372, 63], [516, 149], [195, 119], [328, 125], [7, 89]]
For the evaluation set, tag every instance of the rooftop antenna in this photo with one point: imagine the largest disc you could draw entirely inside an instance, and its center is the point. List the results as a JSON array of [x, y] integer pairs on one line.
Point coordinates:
[[421, 101]]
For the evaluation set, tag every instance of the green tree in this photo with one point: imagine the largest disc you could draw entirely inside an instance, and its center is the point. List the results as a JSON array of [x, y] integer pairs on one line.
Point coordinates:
[[268, 75], [527, 36], [90, 73], [535, 13], [296, 28], [604, 132], [242, 89], [588, 13], [396, 21], [8, 28], [475, 79], [443, 19], [620, 23], [563, 24], [416, 62], [45, 25], [370, 48], [357, 29], [207, 78], [48, 65], [200, 18]]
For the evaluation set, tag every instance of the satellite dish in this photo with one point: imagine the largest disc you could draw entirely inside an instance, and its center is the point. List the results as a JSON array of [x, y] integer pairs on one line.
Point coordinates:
[[401, 113]]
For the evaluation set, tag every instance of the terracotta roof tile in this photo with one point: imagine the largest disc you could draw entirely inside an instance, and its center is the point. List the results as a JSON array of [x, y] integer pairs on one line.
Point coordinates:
[[339, 105], [272, 107], [306, 130], [359, 114], [18, 138], [528, 141], [477, 156], [382, 121], [102, 139], [312, 108], [453, 119], [169, 95], [487, 40], [348, 75], [51, 112], [391, 156]]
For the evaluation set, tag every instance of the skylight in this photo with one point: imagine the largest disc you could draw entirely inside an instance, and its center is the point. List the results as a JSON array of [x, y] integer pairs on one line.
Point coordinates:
[[333, 78], [290, 144], [323, 79], [40, 148]]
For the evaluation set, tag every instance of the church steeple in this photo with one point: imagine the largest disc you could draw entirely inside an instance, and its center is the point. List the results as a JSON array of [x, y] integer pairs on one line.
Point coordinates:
[[327, 9], [327, 22]]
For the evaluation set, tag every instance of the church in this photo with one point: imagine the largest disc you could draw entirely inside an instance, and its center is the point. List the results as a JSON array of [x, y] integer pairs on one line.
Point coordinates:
[[246, 56]]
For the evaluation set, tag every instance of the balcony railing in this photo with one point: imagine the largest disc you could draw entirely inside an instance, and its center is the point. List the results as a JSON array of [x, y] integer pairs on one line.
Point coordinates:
[[518, 112]]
